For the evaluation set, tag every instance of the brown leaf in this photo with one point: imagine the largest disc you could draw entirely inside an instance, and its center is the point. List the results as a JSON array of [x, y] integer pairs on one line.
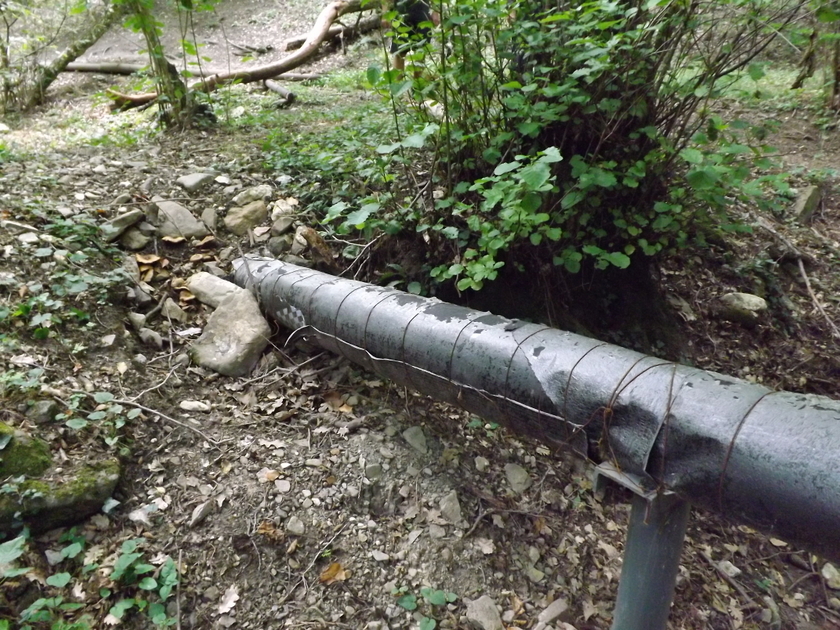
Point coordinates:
[[270, 531], [333, 573]]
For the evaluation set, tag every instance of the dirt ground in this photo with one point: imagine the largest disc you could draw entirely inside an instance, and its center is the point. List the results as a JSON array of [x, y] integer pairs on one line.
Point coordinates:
[[294, 497]]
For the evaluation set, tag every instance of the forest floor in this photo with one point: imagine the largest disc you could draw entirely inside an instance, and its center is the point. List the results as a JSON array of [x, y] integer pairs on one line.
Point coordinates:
[[294, 497]]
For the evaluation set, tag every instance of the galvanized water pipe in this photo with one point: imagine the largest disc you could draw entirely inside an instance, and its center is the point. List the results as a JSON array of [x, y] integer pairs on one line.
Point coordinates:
[[767, 459]]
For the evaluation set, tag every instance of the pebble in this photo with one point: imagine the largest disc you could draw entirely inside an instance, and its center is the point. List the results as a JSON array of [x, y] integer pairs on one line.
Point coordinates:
[[295, 526], [450, 508], [481, 464], [283, 485], [517, 477], [483, 613], [416, 439], [379, 556], [373, 471]]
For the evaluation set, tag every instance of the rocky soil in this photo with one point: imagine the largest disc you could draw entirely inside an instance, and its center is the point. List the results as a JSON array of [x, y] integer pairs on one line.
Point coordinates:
[[308, 493]]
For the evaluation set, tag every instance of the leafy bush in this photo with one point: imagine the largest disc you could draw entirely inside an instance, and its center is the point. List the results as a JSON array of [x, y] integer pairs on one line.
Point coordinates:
[[582, 131]]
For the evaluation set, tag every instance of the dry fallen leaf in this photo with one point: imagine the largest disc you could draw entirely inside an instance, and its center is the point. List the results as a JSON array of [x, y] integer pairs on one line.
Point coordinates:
[[229, 599], [270, 531], [333, 573]]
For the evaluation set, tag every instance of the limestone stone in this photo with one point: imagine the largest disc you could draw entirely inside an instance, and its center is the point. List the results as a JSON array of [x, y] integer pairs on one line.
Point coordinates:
[[241, 219], [194, 181], [234, 338], [176, 220]]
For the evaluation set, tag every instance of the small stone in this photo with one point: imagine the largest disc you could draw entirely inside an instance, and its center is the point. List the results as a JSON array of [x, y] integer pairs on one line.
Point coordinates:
[[742, 308], [113, 229], [137, 320], [481, 463], [517, 477], [241, 219], [278, 245], [436, 531], [416, 439], [295, 526], [450, 508], [553, 610], [194, 405], [255, 193], [208, 218], [534, 574], [171, 310], [483, 613], [283, 485], [379, 556], [282, 225], [373, 471], [134, 240], [150, 337], [28, 238], [194, 181], [728, 569], [43, 411]]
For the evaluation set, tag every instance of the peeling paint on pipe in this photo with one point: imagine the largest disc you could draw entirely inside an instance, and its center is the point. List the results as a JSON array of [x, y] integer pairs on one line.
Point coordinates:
[[767, 459]]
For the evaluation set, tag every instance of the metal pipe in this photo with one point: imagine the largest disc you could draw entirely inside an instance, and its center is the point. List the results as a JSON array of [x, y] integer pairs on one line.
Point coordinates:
[[764, 458]]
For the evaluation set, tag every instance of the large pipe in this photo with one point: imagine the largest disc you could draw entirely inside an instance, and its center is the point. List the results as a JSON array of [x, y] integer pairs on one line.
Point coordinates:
[[764, 458]]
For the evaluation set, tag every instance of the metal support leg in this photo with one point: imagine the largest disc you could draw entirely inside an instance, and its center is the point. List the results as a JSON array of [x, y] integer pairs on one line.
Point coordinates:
[[651, 560]]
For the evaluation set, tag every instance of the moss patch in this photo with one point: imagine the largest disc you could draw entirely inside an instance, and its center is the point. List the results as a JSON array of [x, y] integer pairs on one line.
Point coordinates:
[[22, 454]]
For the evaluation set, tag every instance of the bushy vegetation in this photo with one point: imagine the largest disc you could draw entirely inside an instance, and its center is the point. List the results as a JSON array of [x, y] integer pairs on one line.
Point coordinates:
[[573, 134]]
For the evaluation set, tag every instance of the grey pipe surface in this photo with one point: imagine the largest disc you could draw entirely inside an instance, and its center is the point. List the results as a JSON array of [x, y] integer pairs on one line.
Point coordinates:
[[764, 458]]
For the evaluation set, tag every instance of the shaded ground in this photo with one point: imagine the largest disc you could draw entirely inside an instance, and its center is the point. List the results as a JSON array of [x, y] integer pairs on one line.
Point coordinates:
[[291, 498]]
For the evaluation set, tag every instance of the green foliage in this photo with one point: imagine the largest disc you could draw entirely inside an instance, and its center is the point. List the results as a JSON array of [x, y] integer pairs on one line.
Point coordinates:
[[106, 416], [585, 132], [431, 603], [138, 586]]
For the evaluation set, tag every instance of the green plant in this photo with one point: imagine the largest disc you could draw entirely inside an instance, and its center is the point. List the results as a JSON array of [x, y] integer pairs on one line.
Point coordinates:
[[432, 600], [586, 136], [107, 415]]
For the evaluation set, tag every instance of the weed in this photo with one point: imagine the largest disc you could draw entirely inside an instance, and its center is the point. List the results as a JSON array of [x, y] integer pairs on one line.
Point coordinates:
[[431, 603]]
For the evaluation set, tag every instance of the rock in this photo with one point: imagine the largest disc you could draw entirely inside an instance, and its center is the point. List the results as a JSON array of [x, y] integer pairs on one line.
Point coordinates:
[[241, 219], [481, 463], [832, 576], [282, 225], [534, 574], [379, 556], [416, 439], [295, 526], [728, 569], [137, 320], [483, 613], [29, 238], [551, 612], [806, 204], [133, 239], [150, 337], [234, 338], [194, 405], [450, 508], [171, 310], [742, 308], [22, 454], [287, 208], [121, 199], [278, 245], [208, 217], [210, 289], [43, 505], [176, 220], [517, 477], [255, 193], [194, 181], [113, 229], [283, 179], [297, 260], [373, 471], [43, 411]]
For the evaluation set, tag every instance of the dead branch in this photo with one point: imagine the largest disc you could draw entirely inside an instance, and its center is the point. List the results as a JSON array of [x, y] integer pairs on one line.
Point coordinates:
[[370, 23], [127, 68], [287, 97], [319, 31]]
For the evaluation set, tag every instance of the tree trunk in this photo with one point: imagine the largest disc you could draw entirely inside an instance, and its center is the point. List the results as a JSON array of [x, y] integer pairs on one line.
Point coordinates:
[[319, 32], [47, 74]]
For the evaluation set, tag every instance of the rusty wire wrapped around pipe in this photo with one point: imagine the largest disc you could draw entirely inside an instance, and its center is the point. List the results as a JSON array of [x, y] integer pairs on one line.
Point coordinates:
[[767, 459]]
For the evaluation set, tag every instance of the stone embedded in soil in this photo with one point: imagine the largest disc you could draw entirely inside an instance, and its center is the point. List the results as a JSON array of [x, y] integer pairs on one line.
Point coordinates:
[[241, 219], [551, 612], [379, 556], [481, 463], [134, 240], [195, 181], [43, 411], [234, 338], [483, 613], [416, 439], [517, 477], [373, 471], [742, 308], [450, 508], [113, 229], [295, 526], [171, 310], [176, 220], [255, 193]]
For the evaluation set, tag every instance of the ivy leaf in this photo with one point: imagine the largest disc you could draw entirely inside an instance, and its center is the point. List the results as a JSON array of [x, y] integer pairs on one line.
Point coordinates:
[[358, 217], [59, 579]]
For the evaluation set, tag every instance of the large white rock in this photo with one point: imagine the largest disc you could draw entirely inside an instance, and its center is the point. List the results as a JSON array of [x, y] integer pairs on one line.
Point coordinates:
[[234, 338], [210, 289]]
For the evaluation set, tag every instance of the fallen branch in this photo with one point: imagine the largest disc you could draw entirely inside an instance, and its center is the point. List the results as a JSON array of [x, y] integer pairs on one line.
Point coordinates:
[[287, 97], [127, 68], [328, 15], [816, 302], [361, 27]]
